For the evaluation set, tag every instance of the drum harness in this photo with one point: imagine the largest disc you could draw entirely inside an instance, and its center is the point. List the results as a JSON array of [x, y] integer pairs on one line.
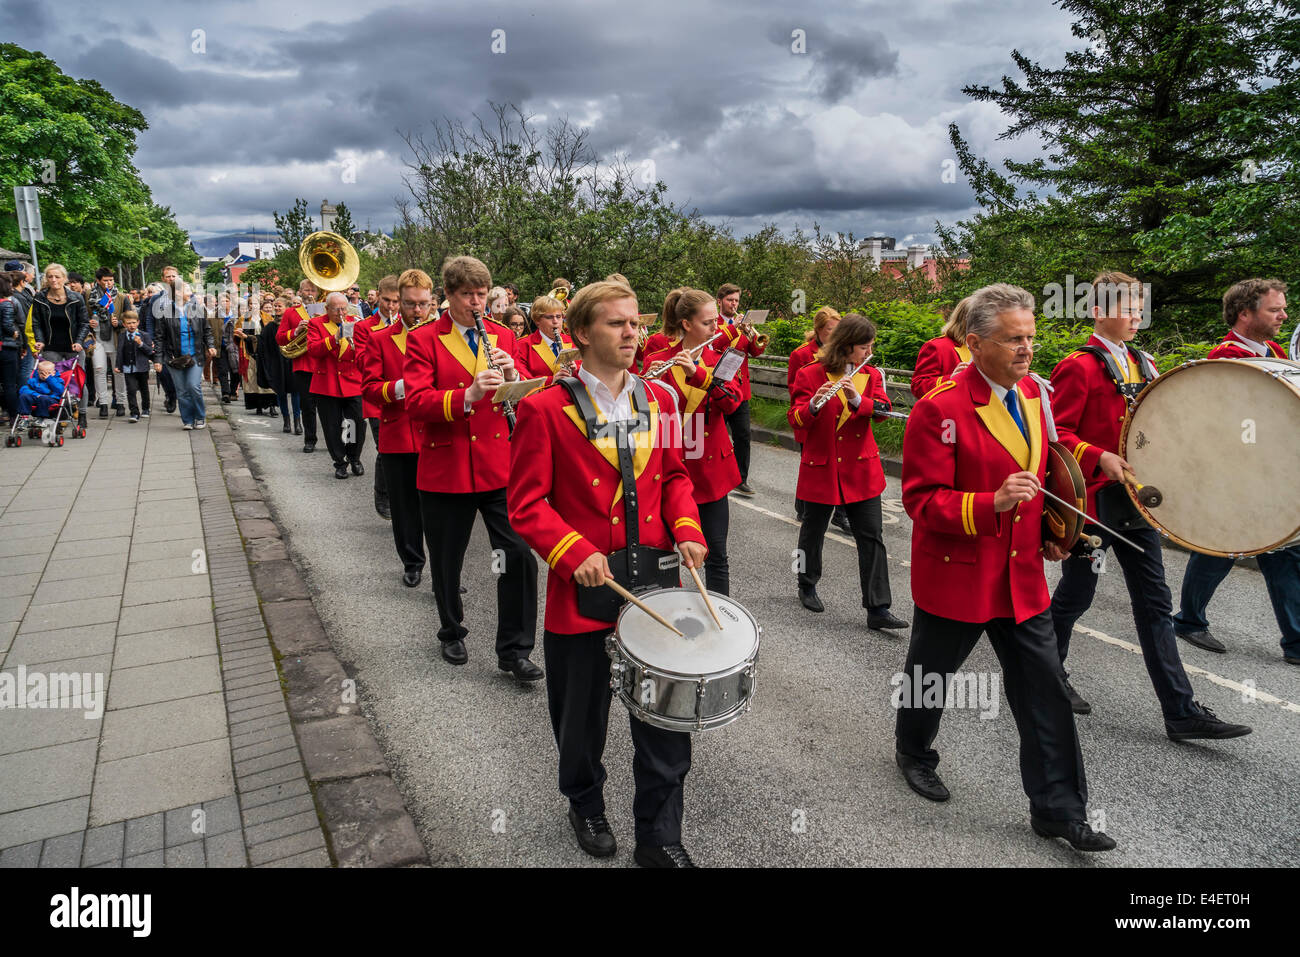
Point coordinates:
[[642, 567]]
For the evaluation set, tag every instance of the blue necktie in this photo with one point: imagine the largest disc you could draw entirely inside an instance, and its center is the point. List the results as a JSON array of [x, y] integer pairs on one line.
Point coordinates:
[[1014, 408], [555, 347], [471, 336]]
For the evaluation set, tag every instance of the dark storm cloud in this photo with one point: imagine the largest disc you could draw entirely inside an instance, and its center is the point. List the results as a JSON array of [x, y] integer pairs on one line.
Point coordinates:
[[281, 98]]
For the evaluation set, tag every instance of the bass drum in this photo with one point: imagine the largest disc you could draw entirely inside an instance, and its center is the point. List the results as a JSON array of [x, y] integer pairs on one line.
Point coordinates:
[[1219, 439]]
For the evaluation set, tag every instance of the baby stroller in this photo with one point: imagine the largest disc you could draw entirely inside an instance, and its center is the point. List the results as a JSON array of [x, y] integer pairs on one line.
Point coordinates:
[[61, 416]]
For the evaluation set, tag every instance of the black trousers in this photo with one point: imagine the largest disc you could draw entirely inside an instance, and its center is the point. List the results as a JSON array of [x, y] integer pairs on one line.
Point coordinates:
[[302, 384], [334, 412], [448, 519], [715, 518], [578, 696], [865, 519], [404, 504], [1144, 574], [738, 426], [168, 386], [1051, 764], [137, 382], [381, 484]]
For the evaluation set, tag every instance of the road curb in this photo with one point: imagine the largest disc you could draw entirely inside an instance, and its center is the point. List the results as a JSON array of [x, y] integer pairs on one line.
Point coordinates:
[[355, 795], [894, 466]]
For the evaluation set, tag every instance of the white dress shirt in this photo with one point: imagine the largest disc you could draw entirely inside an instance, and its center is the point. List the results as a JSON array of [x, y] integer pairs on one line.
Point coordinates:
[[613, 408], [1256, 347]]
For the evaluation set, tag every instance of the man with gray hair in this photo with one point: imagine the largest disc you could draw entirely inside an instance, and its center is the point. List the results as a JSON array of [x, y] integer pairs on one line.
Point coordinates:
[[974, 460], [336, 384]]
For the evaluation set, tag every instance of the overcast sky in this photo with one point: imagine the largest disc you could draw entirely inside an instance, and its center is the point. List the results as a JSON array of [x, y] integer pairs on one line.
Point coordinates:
[[277, 100]]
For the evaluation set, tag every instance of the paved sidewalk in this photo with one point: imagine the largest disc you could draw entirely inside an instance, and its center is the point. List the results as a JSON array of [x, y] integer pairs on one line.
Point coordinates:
[[121, 562]]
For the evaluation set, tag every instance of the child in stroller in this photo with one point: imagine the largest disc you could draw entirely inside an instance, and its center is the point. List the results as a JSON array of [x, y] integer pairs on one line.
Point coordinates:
[[48, 402]]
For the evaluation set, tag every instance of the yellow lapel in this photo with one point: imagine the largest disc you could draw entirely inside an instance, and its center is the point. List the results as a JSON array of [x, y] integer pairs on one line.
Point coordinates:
[[456, 345], [608, 447], [693, 395], [998, 421], [963, 354], [543, 350], [860, 382], [399, 339], [1033, 409]]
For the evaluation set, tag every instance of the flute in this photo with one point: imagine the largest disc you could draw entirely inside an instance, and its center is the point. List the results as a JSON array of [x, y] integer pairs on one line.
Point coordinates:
[[839, 384], [669, 363]]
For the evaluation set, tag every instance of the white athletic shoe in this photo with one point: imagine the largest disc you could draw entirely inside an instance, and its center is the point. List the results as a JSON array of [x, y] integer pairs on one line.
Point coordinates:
[[187, 427], [201, 424]]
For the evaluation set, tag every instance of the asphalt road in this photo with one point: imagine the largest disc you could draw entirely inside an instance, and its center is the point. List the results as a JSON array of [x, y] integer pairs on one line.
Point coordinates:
[[808, 777]]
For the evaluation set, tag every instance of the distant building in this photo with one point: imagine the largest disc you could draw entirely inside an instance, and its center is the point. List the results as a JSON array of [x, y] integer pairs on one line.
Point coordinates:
[[894, 262]]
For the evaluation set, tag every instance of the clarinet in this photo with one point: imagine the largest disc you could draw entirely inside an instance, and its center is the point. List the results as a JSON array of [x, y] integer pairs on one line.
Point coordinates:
[[508, 407]]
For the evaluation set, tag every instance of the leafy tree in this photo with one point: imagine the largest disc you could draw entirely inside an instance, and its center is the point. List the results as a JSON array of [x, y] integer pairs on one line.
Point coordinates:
[[75, 142], [343, 224], [295, 225], [1170, 148], [214, 275]]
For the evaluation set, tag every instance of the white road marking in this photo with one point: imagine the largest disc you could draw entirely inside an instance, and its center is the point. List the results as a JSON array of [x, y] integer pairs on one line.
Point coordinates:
[[1129, 646]]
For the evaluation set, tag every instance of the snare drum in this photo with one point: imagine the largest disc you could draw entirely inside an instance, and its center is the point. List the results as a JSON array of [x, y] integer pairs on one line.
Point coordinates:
[[1219, 439], [704, 680]]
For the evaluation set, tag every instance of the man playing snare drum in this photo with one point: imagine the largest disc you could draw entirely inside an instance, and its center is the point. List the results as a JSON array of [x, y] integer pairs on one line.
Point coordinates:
[[572, 443], [1092, 389]]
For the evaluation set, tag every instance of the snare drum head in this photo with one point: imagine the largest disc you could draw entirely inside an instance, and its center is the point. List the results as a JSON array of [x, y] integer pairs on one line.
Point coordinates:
[[705, 650], [1219, 440]]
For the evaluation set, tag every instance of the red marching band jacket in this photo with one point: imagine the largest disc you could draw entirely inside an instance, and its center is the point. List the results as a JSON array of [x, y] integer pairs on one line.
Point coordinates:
[[534, 358], [565, 497], [288, 323], [969, 562], [361, 335], [935, 362], [336, 370], [460, 451], [1231, 346], [839, 463], [383, 362], [799, 358], [1089, 413], [710, 458], [735, 339]]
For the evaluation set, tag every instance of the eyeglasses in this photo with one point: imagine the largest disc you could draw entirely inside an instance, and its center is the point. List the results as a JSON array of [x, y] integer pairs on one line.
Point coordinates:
[[1015, 345]]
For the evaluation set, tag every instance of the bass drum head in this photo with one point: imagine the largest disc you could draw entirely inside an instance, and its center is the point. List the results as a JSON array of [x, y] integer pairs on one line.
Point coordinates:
[[705, 650], [1218, 438]]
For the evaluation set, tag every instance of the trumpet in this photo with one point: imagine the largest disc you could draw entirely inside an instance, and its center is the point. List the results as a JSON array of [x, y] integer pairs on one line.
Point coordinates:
[[839, 384], [486, 343], [759, 339], [662, 367]]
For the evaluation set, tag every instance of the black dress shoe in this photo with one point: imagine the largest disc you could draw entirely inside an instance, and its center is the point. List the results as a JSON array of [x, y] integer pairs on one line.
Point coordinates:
[[744, 489], [1203, 723], [1291, 659], [1079, 833], [340, 471], [103, 412], [169, 406], [922, 780], [411, 579], [358, 468], [119, 410], [1077, 704], [381, 506], [885, 619], [522, 669], [808, 598], [1203, 639], [670, 855], [309, 447], [594, 835], [454, 651]]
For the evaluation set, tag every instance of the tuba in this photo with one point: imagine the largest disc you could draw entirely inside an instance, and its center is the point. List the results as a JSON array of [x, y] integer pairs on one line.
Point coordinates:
[[330, 263]]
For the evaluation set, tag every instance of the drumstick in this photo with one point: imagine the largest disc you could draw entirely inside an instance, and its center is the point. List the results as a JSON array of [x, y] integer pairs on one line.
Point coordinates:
[[644, 607], [705, 595], [1061, 501]]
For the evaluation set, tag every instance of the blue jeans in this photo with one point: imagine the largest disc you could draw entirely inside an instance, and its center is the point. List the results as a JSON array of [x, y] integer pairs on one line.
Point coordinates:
[[189, 392], [284, 403], [1281, 571]]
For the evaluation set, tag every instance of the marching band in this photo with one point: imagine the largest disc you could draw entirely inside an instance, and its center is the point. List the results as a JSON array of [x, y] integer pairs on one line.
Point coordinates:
[[619, 480]]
